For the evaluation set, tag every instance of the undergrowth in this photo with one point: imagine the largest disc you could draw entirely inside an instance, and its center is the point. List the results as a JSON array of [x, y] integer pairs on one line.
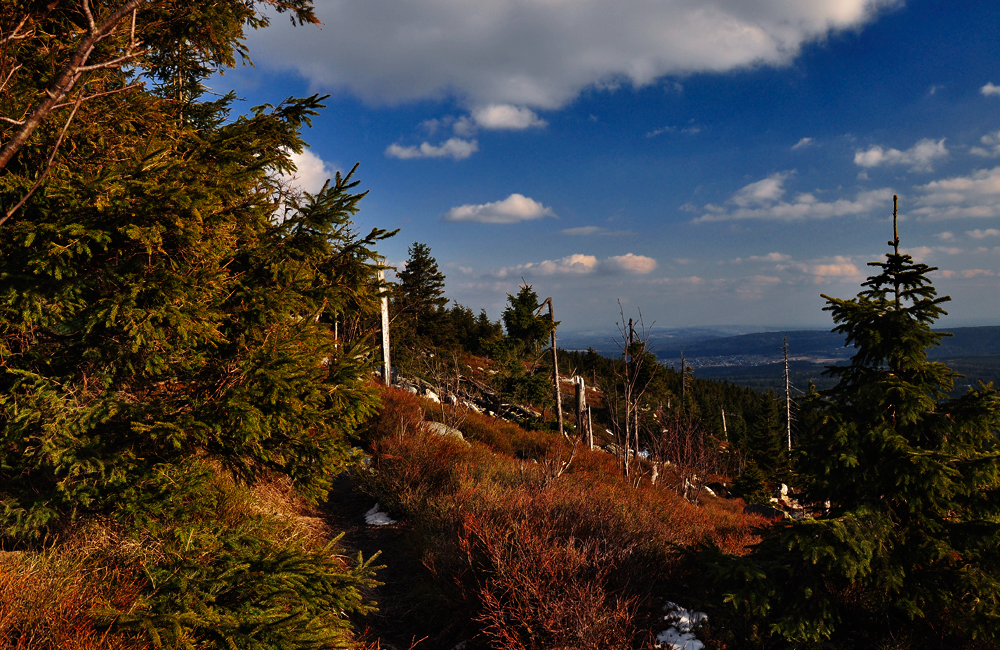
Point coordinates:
[[542, 554], [222, 566]]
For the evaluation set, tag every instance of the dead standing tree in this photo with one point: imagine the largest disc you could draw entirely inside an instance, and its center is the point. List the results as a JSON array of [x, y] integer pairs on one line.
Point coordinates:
[[555, 362], [632, 378]]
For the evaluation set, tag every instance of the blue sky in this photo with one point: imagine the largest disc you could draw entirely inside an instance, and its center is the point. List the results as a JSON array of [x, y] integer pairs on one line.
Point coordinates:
[[710, 162]]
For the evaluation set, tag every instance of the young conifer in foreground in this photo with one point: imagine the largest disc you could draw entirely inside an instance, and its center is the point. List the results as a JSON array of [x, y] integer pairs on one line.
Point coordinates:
[[912, 533], [167, 337]]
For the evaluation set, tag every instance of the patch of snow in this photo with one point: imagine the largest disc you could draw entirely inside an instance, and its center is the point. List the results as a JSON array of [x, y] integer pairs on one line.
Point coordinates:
[[376, 517], [680, 635]]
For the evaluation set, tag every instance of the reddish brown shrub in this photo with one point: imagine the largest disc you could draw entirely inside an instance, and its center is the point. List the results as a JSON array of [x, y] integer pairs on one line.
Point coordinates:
[[541, 589], [53, 602], [548, 559], [400, 412]]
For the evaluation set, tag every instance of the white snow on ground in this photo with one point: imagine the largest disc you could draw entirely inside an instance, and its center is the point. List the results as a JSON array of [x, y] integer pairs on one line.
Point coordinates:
[[680, 636], [376, 517]]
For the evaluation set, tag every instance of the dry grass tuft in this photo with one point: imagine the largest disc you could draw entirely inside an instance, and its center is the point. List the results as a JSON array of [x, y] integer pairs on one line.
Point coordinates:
[[58, 599]]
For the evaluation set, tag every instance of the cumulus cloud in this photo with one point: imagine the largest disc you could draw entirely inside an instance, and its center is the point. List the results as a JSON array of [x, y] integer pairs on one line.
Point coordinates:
[[579, 264], [763, 191], [919, 157], [836, 268], [505, 116], [310, 173], [804, 142], [982, 234], [629, 263], [540, 54], [976, 195], [991, 145], [990, 89], [456, 148], [764, 200], [513, 209]]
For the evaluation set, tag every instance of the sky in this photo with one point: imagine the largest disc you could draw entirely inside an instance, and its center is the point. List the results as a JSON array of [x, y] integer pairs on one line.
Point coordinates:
[[708, 162]]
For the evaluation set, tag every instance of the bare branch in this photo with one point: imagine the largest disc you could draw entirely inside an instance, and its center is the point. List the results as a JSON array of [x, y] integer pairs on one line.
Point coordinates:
[[66, 80], [9, 75], [15, 35], [91, 27], [12, 121], [101, 94], [48, 165], [112, 63]]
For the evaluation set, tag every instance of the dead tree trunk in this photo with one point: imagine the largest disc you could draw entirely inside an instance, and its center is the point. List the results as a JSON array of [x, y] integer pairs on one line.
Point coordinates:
[[386, 361], [555, 363], [581, 411]]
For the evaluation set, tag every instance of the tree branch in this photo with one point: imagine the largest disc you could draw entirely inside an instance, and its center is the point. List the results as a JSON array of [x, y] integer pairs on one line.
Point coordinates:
[[48, 165], [71, 73]]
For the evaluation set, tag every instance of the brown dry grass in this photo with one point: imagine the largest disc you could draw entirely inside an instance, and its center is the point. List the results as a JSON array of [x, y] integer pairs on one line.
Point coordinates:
[[59, 599], [571, 560]]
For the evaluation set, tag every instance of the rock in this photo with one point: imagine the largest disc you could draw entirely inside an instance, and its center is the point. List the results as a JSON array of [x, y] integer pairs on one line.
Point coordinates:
[[432, 396], [439, 429]]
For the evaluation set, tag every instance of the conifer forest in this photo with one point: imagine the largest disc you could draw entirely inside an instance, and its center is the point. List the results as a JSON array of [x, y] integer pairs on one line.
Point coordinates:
[[200, 446]]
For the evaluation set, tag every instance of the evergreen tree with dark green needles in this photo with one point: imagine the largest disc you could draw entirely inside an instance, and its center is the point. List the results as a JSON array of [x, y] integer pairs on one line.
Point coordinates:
[[167, 310], [905, 482]]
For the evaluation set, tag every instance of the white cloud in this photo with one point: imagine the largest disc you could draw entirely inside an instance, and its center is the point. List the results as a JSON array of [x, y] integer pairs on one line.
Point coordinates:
[[456, 148], [919, 157], [990, 140], [583, 231], [763, 191], [770, 257], [990, 89], [310, 173], [513, 209], [579, 264], [762, 200], [946, 236], [543, 53], [505, 116], [983, 234], [976, 195], [586, 231], [804, 142], [629, 263], [836, 268]]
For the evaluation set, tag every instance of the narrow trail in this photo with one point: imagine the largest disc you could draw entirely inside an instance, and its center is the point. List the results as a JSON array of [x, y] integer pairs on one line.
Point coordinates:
[[410, 613]]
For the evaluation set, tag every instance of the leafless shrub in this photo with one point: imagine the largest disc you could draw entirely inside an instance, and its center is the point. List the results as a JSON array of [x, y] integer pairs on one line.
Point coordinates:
[[632, 379], [688, 449]]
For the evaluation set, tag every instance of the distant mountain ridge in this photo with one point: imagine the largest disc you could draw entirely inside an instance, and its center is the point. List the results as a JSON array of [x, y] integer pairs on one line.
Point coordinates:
[[965, 342], [706, 343]]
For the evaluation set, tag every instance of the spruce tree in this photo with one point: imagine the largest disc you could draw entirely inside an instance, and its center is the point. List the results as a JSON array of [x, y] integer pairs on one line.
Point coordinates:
[[421, 283], [167, 310], [905, 482], [520, 321]]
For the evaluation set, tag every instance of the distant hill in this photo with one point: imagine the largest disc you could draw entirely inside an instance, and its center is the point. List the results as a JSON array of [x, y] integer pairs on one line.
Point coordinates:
[[771, 376], [822, 344]]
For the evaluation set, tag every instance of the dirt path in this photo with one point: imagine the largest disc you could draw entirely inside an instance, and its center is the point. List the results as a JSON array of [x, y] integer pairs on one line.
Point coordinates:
[[410, 609]]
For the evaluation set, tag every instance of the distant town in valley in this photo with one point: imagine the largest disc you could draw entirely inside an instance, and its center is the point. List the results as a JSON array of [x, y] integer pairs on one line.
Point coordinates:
[[756, 360]]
